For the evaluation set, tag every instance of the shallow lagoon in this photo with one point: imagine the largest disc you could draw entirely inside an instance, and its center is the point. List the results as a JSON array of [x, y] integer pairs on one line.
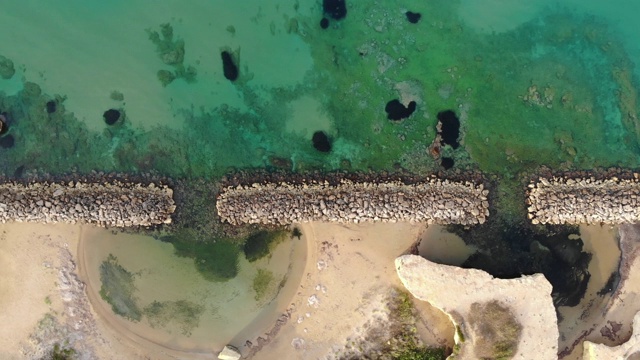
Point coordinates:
[[223, 310]]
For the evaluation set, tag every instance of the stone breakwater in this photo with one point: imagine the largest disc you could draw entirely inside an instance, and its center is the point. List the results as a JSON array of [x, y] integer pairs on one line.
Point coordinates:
[[112, 203], [584, 200], [432, 201]]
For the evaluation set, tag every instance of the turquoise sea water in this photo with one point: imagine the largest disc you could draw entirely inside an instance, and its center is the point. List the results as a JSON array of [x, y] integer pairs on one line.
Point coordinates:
[[474, 57], [534, 83]]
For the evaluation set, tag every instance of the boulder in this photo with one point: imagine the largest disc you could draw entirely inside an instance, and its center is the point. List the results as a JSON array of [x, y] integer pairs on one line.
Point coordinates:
[[229, 353]]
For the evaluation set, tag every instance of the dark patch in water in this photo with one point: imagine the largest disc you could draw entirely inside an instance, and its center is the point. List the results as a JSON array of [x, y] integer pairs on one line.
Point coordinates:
[[19, 171], [51, 106], [7, 142], [337, 9], [397, 111], [324, 23], [449, 128], [229, 67], [321, 141], [111, 116], [413, 17], [520, 249], [612, 283], [447, 163]]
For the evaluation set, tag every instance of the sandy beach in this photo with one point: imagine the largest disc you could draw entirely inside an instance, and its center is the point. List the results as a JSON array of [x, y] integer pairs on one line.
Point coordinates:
[[42, 299], [349, 272], [334, 295]]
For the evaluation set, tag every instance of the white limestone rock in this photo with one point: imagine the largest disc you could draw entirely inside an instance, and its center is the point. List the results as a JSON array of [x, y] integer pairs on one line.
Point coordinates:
[[453, 290], [229, 353]]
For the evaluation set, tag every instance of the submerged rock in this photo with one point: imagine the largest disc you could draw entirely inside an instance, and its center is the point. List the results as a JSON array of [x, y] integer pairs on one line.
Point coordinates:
[[447, 163], [413, 17], [7, 142], [449, 128], [229, 66], [166, 77], [336, 9], [397, 111], [51, 106], [321, 141], [6, 68], [111, 116], [324, 23], [4, 123]]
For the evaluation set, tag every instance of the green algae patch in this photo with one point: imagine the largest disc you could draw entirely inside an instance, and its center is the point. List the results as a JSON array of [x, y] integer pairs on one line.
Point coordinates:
[[497, 332], [395, 338], [183, 314], [262, 283], [118, 289], [171, 51], [215, 259], [261, 243]]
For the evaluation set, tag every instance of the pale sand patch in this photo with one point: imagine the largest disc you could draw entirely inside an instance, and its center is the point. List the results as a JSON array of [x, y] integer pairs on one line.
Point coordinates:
[[36, 264], [307, 117], [349, 269], [28, 256]]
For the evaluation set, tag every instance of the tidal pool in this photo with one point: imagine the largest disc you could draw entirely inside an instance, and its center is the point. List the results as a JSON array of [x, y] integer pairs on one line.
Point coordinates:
[[175, 307]]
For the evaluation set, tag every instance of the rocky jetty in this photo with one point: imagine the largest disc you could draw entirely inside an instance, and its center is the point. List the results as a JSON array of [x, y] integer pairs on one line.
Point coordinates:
[[108, 204], [513, 317], [431, 200], [584, 200]]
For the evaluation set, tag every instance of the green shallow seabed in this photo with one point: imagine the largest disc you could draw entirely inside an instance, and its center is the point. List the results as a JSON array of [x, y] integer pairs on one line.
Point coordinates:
[[358, 62]]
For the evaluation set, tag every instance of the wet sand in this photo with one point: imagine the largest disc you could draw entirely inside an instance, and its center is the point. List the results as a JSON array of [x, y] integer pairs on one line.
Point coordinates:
[[602, 242]]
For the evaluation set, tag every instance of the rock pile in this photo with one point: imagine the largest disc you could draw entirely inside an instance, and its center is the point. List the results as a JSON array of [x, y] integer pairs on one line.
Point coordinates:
[[432, 200], [105, 204], [586, 200]]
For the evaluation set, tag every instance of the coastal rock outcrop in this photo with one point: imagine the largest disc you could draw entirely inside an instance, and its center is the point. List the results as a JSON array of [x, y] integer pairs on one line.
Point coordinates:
[[584, 200], [113, 203], [521, 306], [432, 201]]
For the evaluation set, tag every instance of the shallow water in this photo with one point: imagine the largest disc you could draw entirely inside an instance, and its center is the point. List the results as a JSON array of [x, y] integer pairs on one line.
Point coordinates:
[[534, 83], [228, 308], [296, 78]]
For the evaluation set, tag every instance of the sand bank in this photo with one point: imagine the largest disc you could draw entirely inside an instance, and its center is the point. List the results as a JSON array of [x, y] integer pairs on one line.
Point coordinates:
[[349, 271]]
